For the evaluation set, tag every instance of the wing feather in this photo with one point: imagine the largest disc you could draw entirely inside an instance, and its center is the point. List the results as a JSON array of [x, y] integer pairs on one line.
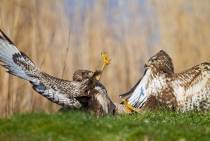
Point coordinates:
[[190, 84], [140, 94], [59, 91], [132, 89]]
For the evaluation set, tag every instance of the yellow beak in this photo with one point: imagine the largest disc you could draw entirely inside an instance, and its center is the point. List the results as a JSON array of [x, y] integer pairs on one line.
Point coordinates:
[[147, 64]]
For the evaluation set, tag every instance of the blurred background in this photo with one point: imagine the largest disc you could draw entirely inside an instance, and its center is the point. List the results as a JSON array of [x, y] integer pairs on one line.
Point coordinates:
[[64, 36]]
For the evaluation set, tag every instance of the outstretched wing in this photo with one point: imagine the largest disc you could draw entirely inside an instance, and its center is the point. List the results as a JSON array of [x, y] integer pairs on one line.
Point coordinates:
[[192, 87], [138, 94], [13, 59], [59, 91]]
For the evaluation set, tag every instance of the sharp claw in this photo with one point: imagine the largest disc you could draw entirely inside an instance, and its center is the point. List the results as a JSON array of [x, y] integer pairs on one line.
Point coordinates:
[[129, 107], [106, 60]]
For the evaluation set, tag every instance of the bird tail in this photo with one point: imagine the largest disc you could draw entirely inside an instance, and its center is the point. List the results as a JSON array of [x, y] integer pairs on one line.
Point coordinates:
[[16, 62]]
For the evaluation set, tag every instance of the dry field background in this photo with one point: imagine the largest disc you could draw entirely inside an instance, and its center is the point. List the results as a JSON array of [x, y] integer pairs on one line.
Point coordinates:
[[63, 36]]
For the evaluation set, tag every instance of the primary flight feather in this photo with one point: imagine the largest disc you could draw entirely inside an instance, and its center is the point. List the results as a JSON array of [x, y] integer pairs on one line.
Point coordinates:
[[62, 92]]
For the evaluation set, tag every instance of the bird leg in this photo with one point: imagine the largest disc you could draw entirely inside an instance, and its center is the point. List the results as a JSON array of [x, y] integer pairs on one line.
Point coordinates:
[[106, 61], [129, 107], [96, 76]]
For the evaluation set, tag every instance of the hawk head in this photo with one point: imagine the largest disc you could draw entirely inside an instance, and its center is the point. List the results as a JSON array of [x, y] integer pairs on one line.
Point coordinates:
[[161, 62], [80, 75]]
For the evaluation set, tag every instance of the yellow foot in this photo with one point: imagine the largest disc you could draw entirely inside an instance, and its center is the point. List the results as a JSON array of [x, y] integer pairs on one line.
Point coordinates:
[[106, 61], [129, 107]]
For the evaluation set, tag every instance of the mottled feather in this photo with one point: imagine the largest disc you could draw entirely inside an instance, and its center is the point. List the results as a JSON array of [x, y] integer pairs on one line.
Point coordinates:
[[161, 87], [62, 92]]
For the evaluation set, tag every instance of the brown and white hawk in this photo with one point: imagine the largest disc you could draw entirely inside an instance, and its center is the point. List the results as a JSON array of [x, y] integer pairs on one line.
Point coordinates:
[[85, 91], [161, 87]]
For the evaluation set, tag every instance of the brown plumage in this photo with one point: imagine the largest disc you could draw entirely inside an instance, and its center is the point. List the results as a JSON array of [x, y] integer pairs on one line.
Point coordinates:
[[84, 91], [81, 75], [98, 101], [63, 92], [161, 87]]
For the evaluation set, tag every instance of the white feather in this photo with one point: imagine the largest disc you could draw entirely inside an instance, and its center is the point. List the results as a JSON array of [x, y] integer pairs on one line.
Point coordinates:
[[140, 94], [6, 53]]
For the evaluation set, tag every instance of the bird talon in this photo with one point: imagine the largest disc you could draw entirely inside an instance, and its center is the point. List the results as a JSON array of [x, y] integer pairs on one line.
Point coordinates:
[[106, 60], [129, 107]]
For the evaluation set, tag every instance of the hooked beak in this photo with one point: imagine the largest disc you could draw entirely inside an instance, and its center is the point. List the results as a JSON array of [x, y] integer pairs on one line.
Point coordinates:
[[147, 64]]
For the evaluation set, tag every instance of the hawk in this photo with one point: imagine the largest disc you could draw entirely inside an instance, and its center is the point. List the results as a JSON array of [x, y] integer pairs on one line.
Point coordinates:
[[99, 103], [161, 87], [84, 90]]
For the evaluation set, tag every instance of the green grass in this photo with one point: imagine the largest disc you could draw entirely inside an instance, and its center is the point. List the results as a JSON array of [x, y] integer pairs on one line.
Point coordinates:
[[76, 125]]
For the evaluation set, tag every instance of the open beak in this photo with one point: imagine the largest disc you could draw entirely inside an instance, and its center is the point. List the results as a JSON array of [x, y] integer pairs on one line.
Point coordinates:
[[147, 64]]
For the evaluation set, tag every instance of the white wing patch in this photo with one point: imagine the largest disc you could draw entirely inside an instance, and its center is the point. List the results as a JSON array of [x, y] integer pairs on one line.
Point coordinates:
[[6, 55], [140, 95]]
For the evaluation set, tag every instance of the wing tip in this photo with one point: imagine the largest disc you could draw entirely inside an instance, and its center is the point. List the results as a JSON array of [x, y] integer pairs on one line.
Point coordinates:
[[3, 36], [125, 94]]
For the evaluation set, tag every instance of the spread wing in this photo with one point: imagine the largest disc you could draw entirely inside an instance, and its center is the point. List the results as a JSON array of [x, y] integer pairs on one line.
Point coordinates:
[[138, 94], [62, 92], [160, 86], [192, 87]]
